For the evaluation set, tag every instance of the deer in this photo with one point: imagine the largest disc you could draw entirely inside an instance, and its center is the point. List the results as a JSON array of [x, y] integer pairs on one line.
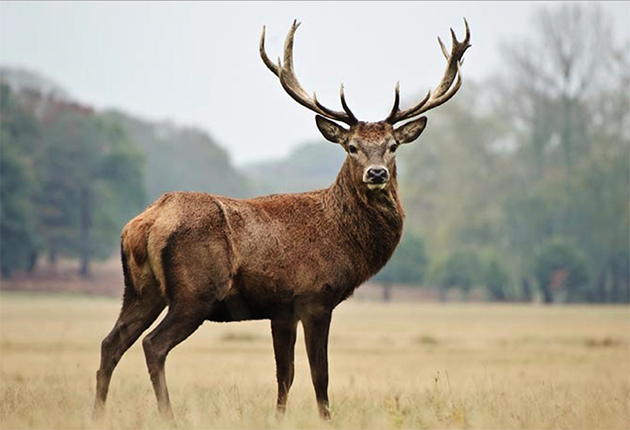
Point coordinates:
[[286, 258]]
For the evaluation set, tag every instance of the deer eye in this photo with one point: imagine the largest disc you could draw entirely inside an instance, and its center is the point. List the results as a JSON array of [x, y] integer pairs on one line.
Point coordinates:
[[352, 149], [393, 148]]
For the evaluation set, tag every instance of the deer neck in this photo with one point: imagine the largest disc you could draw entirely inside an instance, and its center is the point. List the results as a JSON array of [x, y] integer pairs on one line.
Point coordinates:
[[371, 220]]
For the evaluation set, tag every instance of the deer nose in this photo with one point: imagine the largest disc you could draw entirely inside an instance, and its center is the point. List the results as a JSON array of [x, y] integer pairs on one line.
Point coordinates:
[[377, 175]]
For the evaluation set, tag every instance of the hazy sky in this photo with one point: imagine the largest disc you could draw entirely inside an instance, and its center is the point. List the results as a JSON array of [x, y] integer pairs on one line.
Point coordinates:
[[198, 64]]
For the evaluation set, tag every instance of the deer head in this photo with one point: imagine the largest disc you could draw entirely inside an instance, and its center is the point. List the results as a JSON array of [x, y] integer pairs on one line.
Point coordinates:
[[371, 146]]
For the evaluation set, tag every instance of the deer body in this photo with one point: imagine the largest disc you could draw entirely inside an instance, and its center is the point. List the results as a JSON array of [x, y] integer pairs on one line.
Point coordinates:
[[285, 257], [272, 255]]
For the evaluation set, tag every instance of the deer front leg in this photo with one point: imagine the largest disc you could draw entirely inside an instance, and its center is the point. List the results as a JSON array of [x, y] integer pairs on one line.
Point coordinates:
[[316, 330], [284, 334]]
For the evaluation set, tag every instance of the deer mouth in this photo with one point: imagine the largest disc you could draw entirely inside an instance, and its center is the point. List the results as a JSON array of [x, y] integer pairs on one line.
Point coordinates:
[[380, 186], [376, 177]]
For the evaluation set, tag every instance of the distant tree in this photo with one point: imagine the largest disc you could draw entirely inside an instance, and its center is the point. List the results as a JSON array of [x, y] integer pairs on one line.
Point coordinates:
[[461, 270], [553, 74], [566, 90], [620, 289], [561, 266], [18, 132], [496, 278], [92, 183], [455, 178], [407, 265]]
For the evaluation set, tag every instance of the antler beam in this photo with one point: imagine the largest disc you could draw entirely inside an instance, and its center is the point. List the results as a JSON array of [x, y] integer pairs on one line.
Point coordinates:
[[445, 90], [292, 86]]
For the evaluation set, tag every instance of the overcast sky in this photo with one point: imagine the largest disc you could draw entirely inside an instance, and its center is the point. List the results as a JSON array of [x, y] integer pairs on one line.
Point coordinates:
[[198, 64]]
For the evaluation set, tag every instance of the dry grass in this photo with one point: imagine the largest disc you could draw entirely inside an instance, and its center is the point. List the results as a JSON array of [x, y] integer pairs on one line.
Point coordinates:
[[392, 366]]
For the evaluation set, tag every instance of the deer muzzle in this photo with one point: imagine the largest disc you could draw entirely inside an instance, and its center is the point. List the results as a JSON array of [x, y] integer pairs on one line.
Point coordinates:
[[376, 177]]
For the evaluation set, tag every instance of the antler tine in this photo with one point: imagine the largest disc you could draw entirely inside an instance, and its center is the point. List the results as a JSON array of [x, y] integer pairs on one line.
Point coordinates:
[[467, 38], [392, 113], [396, 115], [345, 105], [265, 58], [444, 50], [332, 113], [292, 86], [453, 37], [445, 90]]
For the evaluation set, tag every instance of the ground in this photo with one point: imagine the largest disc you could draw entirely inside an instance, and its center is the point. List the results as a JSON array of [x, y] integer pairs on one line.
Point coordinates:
[[398, 365]]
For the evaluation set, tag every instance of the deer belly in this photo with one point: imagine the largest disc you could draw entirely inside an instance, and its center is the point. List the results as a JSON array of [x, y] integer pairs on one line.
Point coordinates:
[[236, 307]]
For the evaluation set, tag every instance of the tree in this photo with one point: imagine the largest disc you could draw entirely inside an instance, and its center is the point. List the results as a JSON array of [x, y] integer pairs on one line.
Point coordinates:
[[461, 270], [92, 183], [454, 179], [496, 278], [407, 265], [554, 72], [18, 131], [567, 93], [561, 266]]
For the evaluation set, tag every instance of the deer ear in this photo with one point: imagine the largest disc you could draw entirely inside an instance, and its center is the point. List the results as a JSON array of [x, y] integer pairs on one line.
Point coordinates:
[[410, 131], [331, 130]]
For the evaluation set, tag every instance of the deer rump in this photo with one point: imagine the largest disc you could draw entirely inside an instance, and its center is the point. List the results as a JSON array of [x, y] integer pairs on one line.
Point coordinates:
[[262, 268]]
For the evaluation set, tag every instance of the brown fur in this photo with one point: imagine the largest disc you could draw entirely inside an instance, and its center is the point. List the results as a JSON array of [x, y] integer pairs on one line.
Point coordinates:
[[287, 258]]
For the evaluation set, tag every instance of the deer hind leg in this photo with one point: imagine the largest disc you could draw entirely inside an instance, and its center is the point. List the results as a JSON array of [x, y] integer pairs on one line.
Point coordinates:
[[139, 311], [178, 324], [284, 334], [316, 328], [193, 296]]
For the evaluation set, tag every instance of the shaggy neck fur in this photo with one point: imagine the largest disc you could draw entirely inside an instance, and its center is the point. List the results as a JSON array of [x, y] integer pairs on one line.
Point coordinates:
[[371, 220]]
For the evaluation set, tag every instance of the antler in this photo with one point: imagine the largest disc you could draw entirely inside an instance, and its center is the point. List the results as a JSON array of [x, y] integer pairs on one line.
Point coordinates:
[[445, 90], [292, 86]]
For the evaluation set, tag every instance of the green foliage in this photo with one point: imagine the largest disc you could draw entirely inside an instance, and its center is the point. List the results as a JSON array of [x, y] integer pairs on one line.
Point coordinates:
[[408, 264], [16, 209], [561, 266], [496, 278], [18, 130], [469, 267], [91, 183], [461, 270]]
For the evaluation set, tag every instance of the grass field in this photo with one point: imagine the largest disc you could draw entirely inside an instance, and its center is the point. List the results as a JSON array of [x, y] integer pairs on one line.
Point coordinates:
[[391, 366]]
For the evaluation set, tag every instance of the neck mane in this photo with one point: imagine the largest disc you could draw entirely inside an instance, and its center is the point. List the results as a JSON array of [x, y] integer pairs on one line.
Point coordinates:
[[372, 221]]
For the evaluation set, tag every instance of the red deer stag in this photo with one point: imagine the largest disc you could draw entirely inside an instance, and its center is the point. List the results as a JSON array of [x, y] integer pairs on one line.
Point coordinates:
[[286, 258]]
